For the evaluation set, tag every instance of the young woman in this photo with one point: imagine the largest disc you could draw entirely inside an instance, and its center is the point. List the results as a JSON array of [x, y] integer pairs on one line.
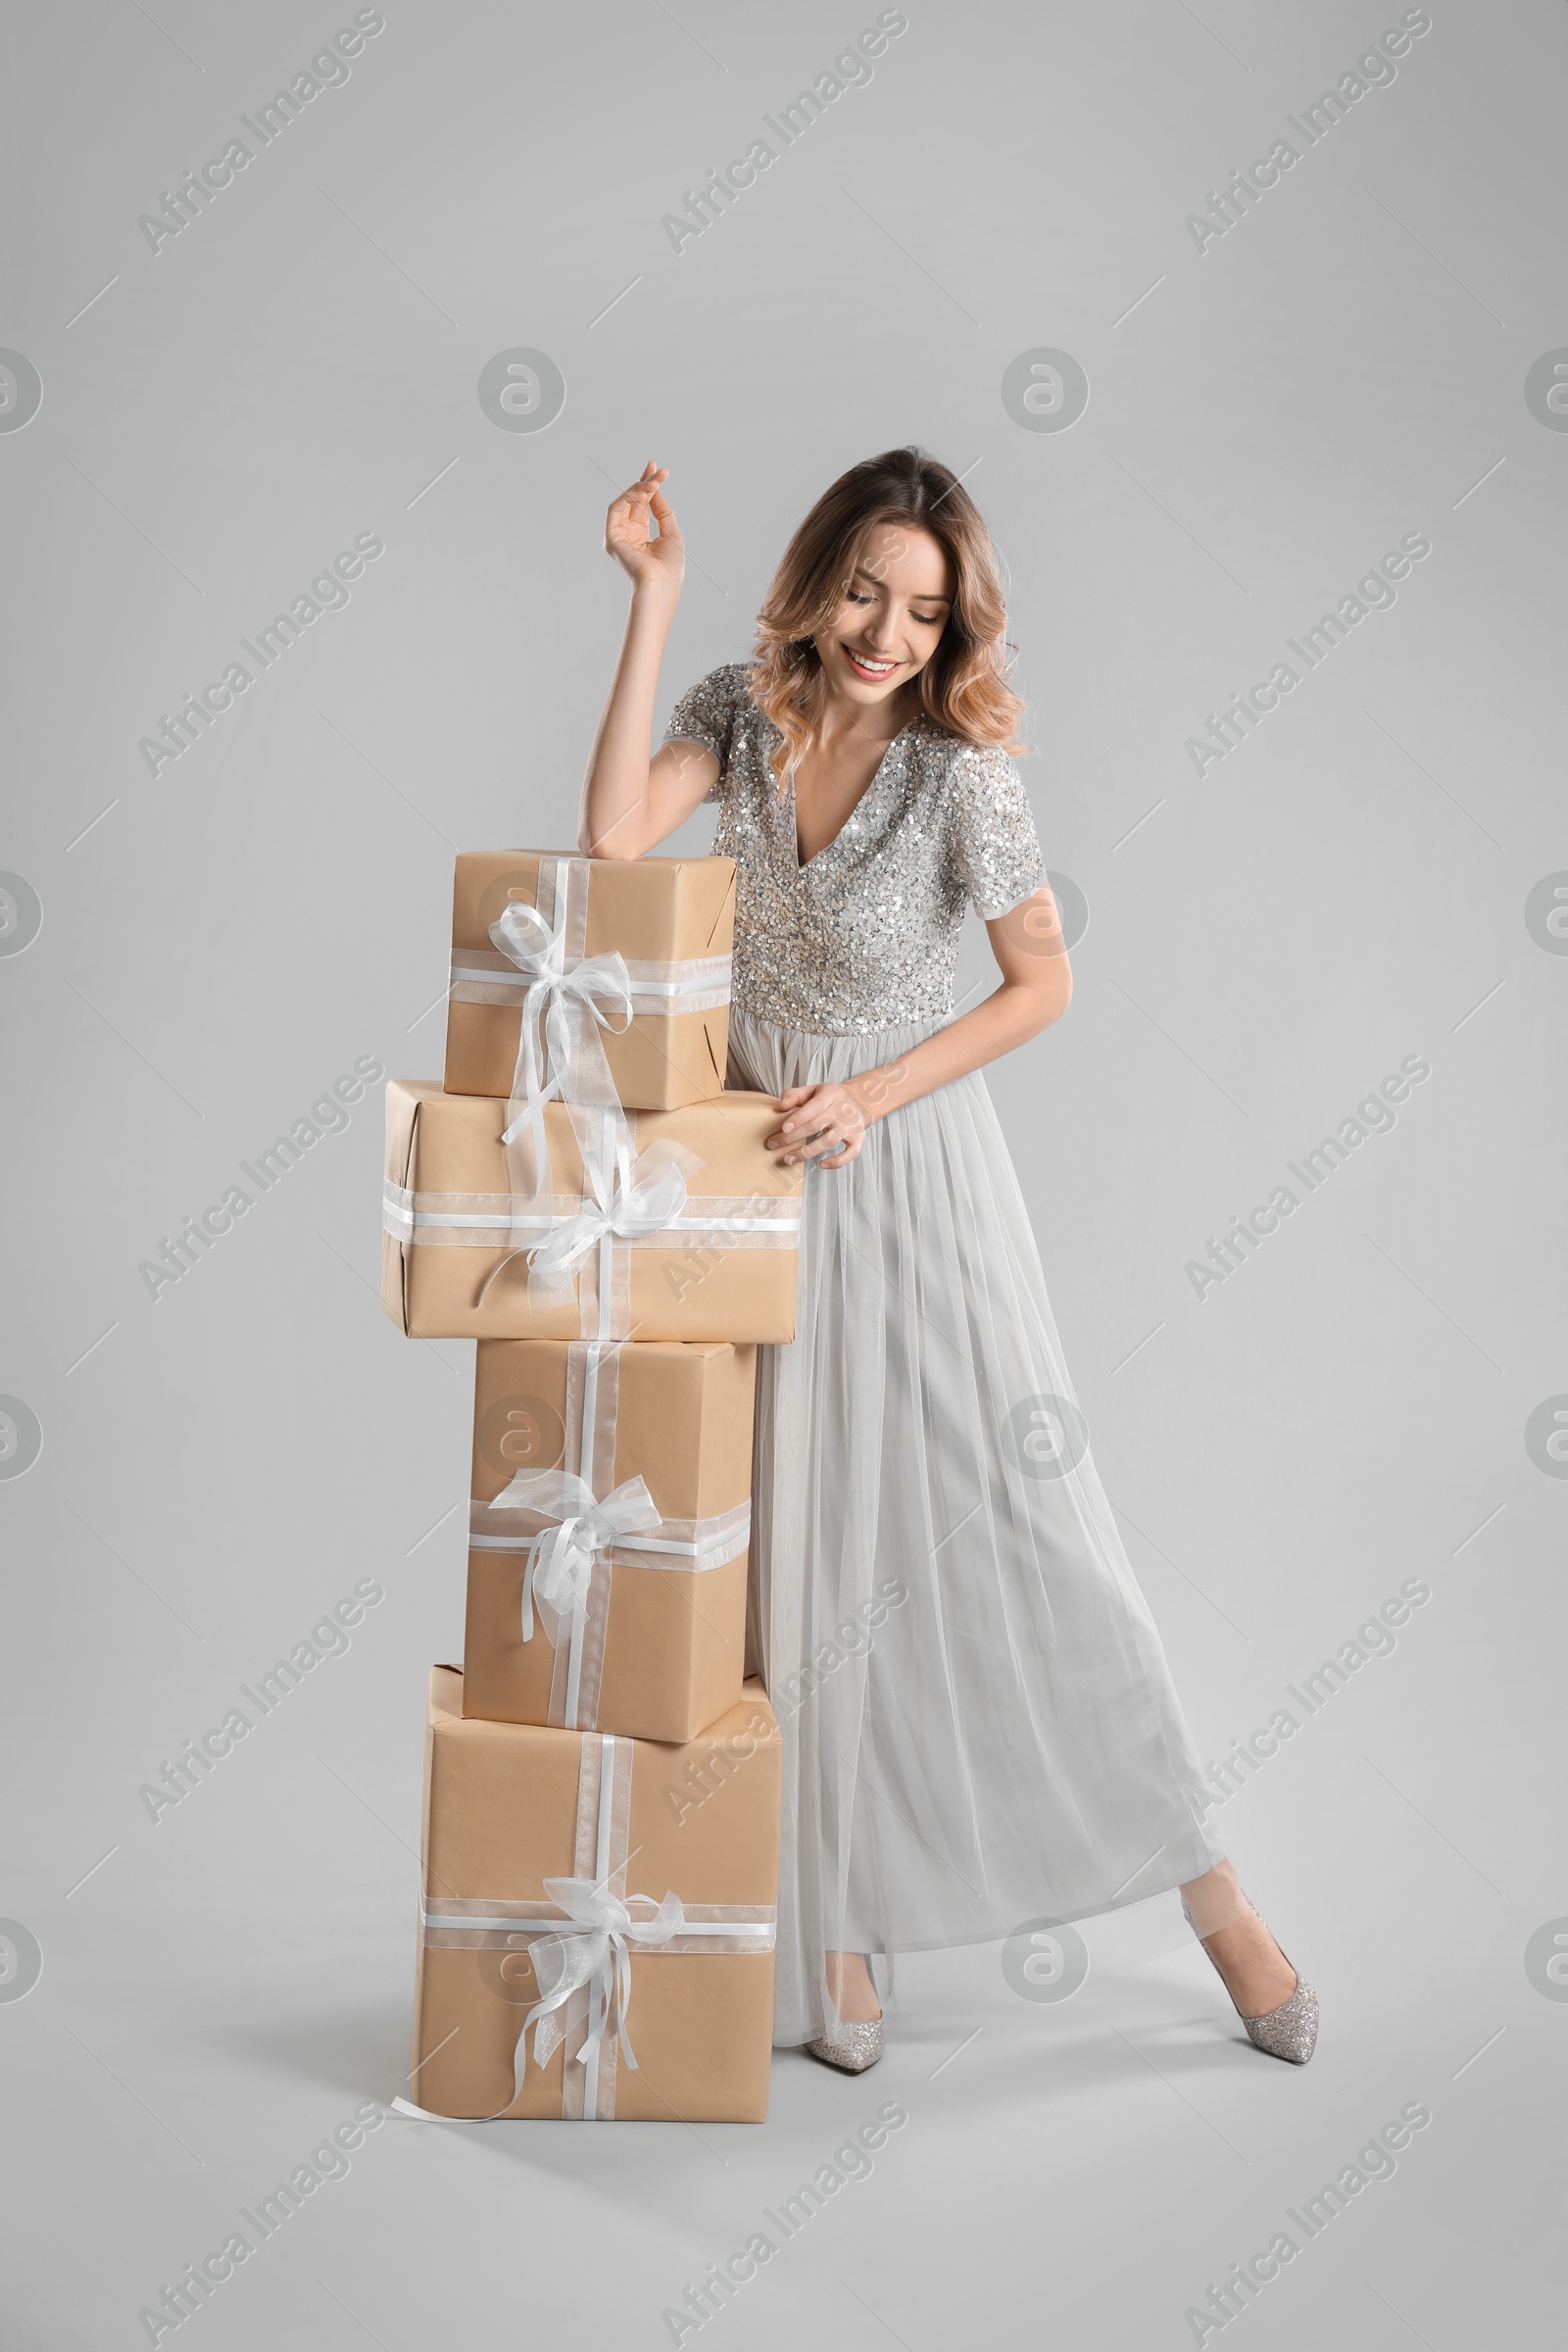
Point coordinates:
[[979, 1724]]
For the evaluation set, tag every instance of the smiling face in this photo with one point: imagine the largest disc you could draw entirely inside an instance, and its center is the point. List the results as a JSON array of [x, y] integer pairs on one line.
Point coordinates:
[[892, 618]]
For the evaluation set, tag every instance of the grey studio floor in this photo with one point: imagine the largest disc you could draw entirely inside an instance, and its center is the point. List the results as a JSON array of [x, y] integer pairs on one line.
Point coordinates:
[[1264, 395], [1079, 2171]]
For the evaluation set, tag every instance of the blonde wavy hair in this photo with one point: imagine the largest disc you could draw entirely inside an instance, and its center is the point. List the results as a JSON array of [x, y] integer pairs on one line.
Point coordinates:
[[963, 687]]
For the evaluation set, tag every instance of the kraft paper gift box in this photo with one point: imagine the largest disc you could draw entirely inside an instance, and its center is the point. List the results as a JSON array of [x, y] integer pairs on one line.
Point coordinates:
[[670, 919], [576, 1881], [716, 1264], [656, 1436]]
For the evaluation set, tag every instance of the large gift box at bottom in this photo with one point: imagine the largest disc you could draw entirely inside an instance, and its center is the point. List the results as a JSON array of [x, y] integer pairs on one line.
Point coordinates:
[[628, 1883]]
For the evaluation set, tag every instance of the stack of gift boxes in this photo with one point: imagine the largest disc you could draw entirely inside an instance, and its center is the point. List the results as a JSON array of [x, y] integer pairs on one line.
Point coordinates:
[[583, 1199]]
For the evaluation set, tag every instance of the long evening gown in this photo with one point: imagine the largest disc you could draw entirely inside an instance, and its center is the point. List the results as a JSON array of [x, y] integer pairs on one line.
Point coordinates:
[[979, 1723]]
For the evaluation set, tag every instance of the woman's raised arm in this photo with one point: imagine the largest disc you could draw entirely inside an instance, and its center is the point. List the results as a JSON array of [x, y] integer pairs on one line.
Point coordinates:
[[632, 801]]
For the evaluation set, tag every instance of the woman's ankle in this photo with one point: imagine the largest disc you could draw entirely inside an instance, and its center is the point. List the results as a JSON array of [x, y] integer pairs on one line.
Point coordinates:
[[850, 1988], [1256, 1973], [1214, 1901]]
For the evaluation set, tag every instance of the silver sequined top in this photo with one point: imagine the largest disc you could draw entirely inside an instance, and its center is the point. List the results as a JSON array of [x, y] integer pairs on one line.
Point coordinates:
[[865, 936]]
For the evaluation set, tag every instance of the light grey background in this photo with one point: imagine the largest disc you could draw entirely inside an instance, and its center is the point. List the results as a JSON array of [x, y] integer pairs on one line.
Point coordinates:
[[1347, 1411]]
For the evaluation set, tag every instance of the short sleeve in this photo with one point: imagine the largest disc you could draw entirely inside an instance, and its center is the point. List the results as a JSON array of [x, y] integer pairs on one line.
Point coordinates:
[[706, 715], [992, 838]]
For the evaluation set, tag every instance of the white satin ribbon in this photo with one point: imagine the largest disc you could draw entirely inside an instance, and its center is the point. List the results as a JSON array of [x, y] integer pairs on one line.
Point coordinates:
[[698, 984], [476, 1925], [686, 1543], [486, 1220]]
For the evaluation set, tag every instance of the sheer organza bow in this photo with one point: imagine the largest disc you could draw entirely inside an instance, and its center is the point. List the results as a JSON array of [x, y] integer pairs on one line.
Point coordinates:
[[560, 1559], [594, 1951], [562, 1011], [622, 1198]]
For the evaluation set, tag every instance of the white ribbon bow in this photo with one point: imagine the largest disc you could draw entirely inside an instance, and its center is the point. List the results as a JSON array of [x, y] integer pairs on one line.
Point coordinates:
[[561, 1002], [597, 1955], [560, 1557], [622, 1199]]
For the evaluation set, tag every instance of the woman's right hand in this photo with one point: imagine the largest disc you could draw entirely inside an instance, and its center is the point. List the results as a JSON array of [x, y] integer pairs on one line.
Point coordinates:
[[649, 563]]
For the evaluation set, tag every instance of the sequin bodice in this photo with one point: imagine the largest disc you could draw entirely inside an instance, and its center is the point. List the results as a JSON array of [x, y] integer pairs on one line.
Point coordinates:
[[865, 936]]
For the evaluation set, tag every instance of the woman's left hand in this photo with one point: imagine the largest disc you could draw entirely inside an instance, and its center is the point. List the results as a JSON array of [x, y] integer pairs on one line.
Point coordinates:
[[824, 1123]]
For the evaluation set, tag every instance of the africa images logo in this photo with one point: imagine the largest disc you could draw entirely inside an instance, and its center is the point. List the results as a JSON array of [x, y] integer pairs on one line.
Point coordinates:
[[21, 391]]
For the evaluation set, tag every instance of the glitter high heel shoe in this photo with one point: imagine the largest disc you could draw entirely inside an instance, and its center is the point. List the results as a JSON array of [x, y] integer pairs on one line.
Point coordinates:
[[1289, 2032], [853, 2047]]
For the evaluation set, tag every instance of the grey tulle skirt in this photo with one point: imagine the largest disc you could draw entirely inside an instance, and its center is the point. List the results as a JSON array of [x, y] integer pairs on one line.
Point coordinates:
[[979, 1723]]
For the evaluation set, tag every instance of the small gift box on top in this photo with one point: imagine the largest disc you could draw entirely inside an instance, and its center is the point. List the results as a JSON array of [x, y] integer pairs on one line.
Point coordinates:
[[636, 951]]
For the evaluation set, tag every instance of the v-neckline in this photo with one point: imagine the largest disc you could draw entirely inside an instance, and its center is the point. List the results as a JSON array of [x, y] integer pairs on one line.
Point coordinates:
[[803, 865]]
